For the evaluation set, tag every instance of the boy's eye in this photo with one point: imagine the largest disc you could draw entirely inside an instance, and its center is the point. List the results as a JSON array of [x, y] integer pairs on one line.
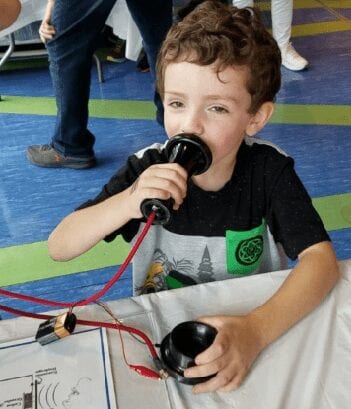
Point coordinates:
[[176, 104], [219, 109]]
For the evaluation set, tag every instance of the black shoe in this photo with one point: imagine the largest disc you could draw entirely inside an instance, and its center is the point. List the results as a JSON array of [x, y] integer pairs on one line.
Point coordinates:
[[46, 156]]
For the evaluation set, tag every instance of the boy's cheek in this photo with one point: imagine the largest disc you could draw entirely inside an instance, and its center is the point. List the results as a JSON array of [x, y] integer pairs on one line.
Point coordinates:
[[168, 125]]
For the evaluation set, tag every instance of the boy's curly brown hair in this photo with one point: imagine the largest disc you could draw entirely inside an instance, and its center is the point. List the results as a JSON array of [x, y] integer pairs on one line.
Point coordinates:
[[215, 33]]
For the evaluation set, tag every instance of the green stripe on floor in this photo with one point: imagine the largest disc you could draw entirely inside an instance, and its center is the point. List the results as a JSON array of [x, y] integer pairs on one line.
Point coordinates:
[[29, 262], [334, 210], [121, 109], [312, 114], [115, 109]]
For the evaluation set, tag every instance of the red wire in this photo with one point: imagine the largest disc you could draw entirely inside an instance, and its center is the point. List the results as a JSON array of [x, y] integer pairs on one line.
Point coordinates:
[[121, 270], [142, 370], [90, 323], [100, 293]]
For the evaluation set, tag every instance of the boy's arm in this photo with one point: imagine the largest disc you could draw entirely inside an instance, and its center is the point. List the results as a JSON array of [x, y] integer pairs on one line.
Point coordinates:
[[84, 228], [315, 274], [241, 338]]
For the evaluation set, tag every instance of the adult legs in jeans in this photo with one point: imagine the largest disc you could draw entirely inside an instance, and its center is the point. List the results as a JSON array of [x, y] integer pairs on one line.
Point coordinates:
[[77, 24], [77, 27], [153, 18]]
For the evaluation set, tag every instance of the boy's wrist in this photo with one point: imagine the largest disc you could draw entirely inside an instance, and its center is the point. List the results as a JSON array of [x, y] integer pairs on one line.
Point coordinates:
[[125, 204], [132, 203], [257, 323]]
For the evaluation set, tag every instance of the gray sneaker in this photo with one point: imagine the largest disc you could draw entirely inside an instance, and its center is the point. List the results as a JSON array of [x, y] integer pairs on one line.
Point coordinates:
[[46, 156]]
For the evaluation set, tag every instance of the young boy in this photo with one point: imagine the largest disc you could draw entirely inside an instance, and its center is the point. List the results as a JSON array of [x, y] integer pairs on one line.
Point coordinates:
[[218, 74]]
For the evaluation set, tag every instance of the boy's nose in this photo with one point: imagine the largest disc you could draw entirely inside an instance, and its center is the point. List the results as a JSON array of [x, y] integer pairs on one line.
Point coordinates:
[[192, 124]]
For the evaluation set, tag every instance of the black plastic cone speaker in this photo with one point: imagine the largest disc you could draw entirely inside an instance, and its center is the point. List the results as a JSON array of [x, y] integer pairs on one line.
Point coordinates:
[[180, 347], [190, 152]]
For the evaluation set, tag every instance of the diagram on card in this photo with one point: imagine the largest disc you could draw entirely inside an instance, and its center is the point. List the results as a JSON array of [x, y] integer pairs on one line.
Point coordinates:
[[73, 373]]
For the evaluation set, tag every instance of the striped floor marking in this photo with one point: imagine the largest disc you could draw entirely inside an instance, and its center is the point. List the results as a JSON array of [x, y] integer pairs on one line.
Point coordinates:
[[312, 114], [301, 30], [122, 109], [29, 262], [107, 108], [312, 4]]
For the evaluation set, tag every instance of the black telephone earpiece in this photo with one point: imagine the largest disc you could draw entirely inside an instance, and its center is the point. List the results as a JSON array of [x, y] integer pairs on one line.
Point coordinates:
[[190, 152]]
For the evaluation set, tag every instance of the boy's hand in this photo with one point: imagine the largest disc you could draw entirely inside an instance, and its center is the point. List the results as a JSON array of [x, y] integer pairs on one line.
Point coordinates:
[[161, 181], [231, 355]]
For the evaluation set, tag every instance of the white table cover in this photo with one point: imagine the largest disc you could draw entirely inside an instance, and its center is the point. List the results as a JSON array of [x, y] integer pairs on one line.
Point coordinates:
[[309, 367]]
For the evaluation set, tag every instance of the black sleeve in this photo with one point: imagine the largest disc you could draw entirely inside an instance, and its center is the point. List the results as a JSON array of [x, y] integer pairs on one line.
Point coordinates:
[[292, 218], [124, 178]]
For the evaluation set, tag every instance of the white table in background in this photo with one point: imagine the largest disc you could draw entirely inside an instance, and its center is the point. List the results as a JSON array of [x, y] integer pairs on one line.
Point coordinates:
[[119, 19]]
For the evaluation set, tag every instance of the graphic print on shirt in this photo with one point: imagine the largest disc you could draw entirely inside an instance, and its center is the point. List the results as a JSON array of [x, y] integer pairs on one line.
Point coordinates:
[[244, 250], [205, 269], [165, 274]]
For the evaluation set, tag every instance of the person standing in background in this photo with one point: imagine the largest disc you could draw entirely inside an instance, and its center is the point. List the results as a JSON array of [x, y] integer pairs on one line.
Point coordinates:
[[282, 14], [70, 29]]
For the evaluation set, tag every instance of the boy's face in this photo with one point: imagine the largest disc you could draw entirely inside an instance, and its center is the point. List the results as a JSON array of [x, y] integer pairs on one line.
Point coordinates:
[[214, 107]]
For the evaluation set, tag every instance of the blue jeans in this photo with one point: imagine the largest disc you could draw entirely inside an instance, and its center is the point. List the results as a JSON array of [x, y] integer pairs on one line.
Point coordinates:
[[78, 24]]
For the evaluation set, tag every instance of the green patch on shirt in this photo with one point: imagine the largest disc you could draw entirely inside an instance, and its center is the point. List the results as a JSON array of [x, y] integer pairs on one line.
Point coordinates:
[[244, 250]]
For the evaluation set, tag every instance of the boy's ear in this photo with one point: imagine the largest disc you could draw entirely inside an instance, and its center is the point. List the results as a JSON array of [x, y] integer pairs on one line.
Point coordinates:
[[260, 118]]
